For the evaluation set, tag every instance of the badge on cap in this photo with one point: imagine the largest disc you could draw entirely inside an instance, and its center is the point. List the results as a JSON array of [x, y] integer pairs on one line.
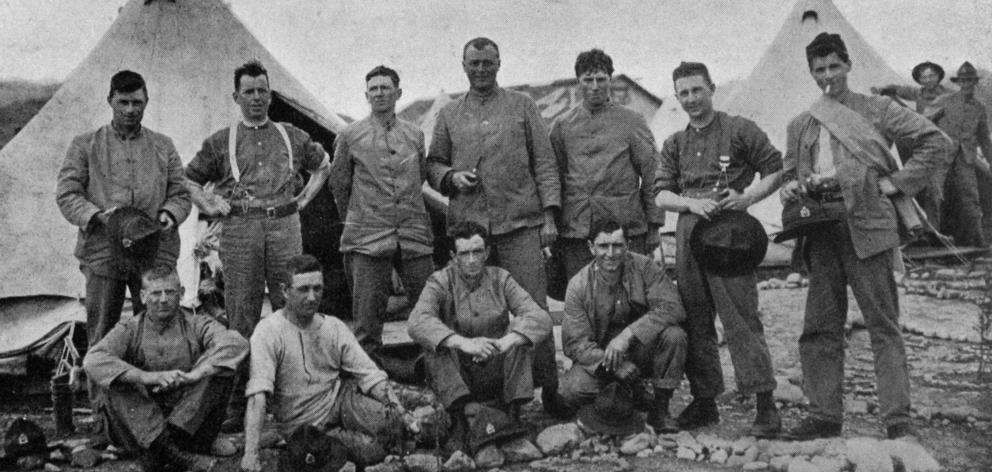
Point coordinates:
[[490, 429], [804, 212], [310, 459], [22, 439]]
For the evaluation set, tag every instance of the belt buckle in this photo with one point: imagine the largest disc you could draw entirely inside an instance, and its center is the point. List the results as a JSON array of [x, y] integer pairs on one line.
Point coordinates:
[[270, 212]]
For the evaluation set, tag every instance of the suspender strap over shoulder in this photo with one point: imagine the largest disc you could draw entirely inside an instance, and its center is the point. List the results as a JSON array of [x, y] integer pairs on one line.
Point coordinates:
[[232, 148]]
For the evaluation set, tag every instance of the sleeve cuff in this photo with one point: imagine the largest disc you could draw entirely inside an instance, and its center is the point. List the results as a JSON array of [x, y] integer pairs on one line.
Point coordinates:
[[259, 386], [371, 380]]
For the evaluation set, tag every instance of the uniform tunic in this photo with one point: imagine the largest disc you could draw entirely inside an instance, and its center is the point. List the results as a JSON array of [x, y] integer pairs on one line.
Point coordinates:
[[689, 165]]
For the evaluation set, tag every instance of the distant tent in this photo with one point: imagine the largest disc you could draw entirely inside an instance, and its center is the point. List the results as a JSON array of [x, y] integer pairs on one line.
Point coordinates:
[[780, 87], [187, 51]]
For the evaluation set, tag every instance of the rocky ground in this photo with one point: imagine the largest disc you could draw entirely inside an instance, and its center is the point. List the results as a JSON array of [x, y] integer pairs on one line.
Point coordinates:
[[952, 406]]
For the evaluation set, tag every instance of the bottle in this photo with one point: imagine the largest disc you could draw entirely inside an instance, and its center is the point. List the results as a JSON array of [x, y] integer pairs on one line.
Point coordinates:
[[723, 180]]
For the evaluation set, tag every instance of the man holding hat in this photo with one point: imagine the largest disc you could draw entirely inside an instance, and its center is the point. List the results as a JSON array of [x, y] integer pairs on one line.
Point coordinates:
[[704, 171], [255, 164], [622, 322], [965, 120], [838, 151]]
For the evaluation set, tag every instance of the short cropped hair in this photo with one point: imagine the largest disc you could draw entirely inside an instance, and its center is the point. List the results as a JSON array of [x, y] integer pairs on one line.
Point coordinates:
[[251, 68], [825, 44], [304, 264], [384, 71], [606, 226], [593, 60], [466, 230], [126, 81], [689, 69], [159, 271], [480, 43]]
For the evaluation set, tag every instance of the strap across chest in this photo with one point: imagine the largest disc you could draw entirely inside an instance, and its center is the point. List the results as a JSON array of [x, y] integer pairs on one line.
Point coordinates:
[[232, 148]]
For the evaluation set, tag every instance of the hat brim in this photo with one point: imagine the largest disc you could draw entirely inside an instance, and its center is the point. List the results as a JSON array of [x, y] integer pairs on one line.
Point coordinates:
[[587, 416], [918, 71], [505, 434], [959, 79]]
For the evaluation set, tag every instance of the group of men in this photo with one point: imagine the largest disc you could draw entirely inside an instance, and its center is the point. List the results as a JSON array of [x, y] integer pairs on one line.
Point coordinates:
[[595, 186]]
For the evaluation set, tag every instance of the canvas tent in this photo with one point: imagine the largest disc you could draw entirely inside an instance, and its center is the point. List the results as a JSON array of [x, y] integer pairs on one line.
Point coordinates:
[[780, 87], [187, 51]]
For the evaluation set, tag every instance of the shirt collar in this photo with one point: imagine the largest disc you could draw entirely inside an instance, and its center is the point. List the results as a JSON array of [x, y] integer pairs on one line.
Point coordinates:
[[124, 135], [590, 112], [260, 126], [494, 93], [387, 124], [709, 126]]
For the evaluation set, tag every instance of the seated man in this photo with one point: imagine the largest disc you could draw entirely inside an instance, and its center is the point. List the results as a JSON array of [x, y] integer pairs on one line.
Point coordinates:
[[622, 317], [167, 377], [297, 358], [475, 351]]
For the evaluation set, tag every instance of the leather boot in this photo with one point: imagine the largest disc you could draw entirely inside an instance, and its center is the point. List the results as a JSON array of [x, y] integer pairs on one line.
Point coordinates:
[[658, 416], [701, 412], [170, 454]]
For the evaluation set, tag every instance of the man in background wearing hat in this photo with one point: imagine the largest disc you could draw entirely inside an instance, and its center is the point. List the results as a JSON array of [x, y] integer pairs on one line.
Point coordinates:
[[606, 159], [622, 322], [297, 360], [376, 177], [491, 155], [928, 75], [838, 151], [256, 166], [122, 164], [479, 327], [965, 120], [167, 377], [691, 181]]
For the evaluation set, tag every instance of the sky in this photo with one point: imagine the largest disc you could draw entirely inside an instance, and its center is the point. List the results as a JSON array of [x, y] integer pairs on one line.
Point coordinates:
[[330, 44]]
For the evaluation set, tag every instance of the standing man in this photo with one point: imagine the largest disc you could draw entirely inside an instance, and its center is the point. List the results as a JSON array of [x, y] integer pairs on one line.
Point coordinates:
[[606, 161], [491, 155], [121, 164], [478, 326], [842, 142], [928, 75], [376, 176], [691, 181], [965, 121], [168, 377], [298, 357], [622, 322], [255, 165]]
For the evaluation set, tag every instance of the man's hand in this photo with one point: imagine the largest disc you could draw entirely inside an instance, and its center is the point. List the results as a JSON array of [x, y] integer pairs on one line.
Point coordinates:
[[983, 165], [734, 200], [478, 348], [615, 350], [886, 187], [464, 180], [703, 207], [791, 191], [165, 219], [163, 380], [627, 371], [510, 341], [250, 462], [549, 231]]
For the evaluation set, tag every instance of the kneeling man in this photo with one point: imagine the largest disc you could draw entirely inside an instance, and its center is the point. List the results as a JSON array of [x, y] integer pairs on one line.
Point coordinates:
[[478, 326], [168, 376], [622, 317], [297, 358]]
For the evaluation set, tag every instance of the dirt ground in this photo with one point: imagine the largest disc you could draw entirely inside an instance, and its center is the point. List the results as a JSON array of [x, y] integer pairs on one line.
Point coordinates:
[[943, 377]]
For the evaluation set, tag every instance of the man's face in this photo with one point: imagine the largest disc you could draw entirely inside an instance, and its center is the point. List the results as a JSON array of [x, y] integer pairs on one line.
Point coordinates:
[[128, 107], [830, 71], [161, 297], [695, 94], [609, 250], [382, 94], [304, 293], [929, 78], [967, 86], [481, 66], [254, 97], [470, 255], [595, 88]]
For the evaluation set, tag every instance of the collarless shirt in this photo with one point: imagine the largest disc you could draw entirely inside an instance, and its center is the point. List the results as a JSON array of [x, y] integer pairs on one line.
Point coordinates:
[[690, 159], [965, 121], [263, 161], [301, 367], [607, 160], [502, 138], [376, 177]]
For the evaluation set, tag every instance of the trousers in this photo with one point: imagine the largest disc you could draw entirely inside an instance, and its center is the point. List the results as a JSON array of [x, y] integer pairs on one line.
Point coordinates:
[[663, 363], [135, 416], [370, 279], [735, 299], [519, 252], [504, 377], [833, 267], [962, 217], [104, 301]]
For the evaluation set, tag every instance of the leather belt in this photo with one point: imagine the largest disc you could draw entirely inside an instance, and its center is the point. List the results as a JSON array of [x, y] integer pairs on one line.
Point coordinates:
[[827, 197], [272, 212]]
